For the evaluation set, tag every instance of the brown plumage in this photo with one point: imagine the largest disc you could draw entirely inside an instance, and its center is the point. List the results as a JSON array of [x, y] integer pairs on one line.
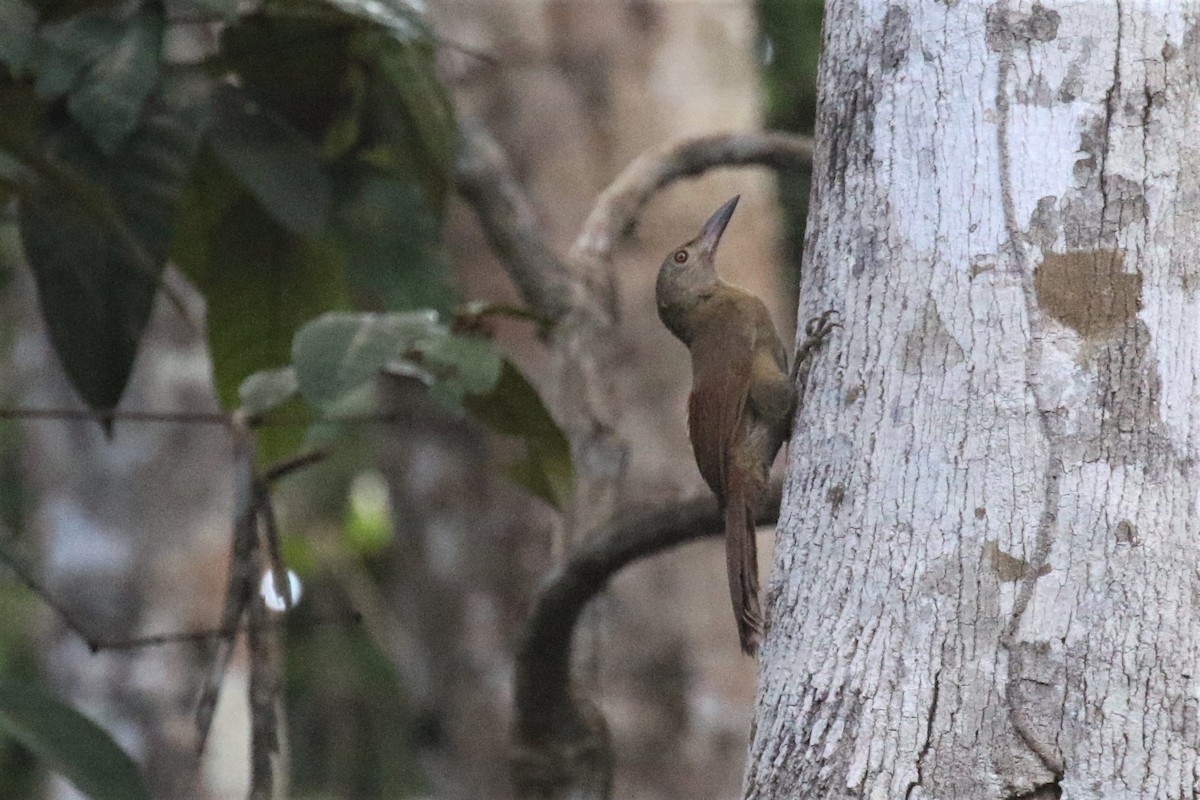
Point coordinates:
[[742, 400]]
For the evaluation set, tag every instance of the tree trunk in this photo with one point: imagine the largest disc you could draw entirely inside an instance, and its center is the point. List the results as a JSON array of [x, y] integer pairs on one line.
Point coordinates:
[[986, 583]]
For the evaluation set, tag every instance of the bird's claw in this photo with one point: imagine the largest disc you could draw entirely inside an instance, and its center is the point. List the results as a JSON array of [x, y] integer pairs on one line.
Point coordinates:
[[821, 326]]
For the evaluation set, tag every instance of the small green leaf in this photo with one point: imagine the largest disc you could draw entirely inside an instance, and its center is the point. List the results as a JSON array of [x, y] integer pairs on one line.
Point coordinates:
[[267, 389], [513, 407], [96, 231], [281, 168], [461, 365], [108, 65], [70, 743], [337, 355]]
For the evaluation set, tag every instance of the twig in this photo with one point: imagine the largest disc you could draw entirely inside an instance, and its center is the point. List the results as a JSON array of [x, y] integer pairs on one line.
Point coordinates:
[[281, 469], [244, 566], [97, 644], [270, 528], [186, 637], [114, 415], [195, 417]]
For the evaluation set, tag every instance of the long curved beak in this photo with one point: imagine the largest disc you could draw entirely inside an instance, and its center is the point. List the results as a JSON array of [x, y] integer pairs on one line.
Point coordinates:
[[710, 234]]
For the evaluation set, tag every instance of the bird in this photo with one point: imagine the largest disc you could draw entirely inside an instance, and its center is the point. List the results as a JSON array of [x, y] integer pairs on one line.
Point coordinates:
[[742, 401]]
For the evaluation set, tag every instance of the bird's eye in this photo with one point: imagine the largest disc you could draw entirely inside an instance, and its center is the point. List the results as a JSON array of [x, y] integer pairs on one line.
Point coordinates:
[[680, 256]]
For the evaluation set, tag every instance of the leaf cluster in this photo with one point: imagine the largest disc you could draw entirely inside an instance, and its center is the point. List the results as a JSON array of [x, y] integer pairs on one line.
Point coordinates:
[[297, 171], [299, 168]]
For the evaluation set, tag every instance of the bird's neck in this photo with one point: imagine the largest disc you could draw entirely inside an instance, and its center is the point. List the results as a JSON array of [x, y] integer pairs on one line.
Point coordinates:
[[683, 309]]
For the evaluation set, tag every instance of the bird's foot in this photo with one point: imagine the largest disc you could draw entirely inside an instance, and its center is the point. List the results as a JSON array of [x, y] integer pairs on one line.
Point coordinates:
[[817, 331]]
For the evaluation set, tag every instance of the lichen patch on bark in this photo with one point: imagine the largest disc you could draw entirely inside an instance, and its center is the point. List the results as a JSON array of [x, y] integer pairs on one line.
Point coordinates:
[[1088, 291], [1009, 568], [1007, 28]]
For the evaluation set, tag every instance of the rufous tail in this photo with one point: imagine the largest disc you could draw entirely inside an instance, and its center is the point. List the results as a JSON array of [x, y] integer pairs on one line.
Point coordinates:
[[741, 559]]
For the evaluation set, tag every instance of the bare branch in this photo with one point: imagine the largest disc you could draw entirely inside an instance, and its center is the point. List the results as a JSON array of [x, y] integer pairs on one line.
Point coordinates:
[[266, 679], [547, 717], [486, 180], [25, 575], [616, 211]]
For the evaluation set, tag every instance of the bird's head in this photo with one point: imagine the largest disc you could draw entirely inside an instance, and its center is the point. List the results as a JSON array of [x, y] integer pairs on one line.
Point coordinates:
[[691, 267]]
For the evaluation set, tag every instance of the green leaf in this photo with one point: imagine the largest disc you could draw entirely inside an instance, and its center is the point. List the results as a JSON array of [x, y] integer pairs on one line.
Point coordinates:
[[296, 66], [260, 281], [513, 407], [390, 238], [411, 70], [107, 64], [18, 27], [402, 22], [21, 118], [70, 743], [267, 390], [96, 232], [461, 365], [338, 355], [281, 168], [408, 127]]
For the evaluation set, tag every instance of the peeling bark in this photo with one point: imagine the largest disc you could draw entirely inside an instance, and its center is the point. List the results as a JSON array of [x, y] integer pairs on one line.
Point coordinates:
[[986, 583]]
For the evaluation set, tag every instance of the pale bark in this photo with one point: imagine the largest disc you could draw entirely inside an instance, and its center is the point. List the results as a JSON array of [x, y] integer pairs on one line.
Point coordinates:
[[986, 583]]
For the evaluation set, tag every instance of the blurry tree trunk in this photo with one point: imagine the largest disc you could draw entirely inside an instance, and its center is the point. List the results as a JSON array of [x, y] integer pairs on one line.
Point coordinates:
[[134, 536], [987, 583], [467, 553]]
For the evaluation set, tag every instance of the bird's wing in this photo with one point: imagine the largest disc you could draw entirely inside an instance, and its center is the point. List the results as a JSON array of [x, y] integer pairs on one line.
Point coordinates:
[[722, 361]]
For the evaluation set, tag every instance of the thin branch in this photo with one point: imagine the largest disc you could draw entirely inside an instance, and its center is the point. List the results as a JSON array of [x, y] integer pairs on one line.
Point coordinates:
[[97, 644], [113, 415], [270, 528], [197, 637], [196, 417], [25, 575], [281, 469], [615, 213]]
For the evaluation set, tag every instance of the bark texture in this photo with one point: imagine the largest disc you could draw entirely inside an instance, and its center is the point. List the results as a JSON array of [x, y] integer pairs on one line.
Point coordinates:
[[986, 583]]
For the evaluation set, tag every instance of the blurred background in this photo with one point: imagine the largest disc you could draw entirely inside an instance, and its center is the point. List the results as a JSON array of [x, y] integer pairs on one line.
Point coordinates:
[[412, 526]]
